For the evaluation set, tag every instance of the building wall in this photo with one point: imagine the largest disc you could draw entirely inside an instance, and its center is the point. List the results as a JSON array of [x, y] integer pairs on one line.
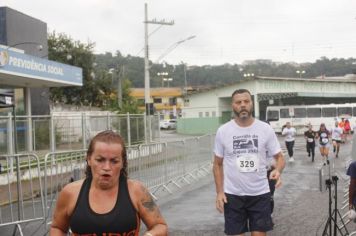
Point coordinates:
[[203, 125], [17, 27], [197, 115]]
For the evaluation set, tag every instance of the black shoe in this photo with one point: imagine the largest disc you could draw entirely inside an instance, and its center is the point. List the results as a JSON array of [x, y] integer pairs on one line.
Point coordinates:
[[308, 154], [337, 156]]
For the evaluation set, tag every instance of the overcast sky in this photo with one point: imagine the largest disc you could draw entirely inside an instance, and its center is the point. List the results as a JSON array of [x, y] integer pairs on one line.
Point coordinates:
[[227, 31]]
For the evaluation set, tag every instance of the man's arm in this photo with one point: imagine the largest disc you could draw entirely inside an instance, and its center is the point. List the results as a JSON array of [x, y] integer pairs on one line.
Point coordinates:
[[276, 173], [352, 191], [219, 183]]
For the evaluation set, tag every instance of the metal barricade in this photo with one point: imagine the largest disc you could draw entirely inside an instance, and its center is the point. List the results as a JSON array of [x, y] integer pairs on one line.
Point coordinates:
[[158, 165], [21, 198], [61, 168]]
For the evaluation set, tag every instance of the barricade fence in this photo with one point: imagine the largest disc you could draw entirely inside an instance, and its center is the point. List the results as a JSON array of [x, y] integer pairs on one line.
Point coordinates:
[[71, 130], [21, 195], [29, 185]]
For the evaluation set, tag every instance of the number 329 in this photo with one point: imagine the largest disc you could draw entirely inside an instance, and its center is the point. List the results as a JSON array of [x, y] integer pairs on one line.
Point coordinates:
[[247, 164]]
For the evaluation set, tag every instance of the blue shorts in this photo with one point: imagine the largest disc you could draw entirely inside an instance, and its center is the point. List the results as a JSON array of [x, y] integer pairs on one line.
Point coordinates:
[[247, 213]]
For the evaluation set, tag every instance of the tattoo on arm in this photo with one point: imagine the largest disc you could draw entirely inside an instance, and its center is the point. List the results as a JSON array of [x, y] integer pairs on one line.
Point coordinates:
[[147, 200]]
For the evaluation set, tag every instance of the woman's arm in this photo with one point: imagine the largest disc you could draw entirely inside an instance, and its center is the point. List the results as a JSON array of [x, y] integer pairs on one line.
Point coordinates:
[[148, 210], [64, 208], [60, 221]]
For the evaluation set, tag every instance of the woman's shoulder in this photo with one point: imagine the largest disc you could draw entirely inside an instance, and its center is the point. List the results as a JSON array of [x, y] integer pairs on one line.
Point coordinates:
[[72, 189], [136, 186]]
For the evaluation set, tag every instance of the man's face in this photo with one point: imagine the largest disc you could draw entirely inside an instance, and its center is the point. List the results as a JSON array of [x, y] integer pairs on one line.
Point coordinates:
[[288, 125], [242, 105], [106, 163]]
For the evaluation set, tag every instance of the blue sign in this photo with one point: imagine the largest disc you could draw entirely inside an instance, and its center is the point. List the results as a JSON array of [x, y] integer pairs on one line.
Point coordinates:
[[15, 63]]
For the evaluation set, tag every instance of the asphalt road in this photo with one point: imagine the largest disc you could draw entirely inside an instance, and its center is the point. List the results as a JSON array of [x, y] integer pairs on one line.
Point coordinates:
[[300, 207]]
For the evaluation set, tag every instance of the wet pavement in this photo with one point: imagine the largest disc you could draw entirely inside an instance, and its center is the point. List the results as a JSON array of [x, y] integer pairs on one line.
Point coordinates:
[[300, 207]]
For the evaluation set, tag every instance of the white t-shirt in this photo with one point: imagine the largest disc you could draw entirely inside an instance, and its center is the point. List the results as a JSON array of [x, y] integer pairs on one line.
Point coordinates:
[[336, 133], [244, 150], [289, 134]]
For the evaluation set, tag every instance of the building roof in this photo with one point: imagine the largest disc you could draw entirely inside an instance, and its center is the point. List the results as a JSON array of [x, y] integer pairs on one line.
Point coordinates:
[[157, 92]]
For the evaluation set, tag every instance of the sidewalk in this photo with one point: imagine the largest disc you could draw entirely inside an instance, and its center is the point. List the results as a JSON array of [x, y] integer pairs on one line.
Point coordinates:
[[300, 208]]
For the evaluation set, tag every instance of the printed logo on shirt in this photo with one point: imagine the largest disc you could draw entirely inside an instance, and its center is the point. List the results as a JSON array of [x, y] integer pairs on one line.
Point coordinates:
[[245, 144]]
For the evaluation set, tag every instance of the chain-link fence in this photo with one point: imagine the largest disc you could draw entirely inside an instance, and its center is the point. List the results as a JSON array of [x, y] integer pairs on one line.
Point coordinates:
[[71, 130]]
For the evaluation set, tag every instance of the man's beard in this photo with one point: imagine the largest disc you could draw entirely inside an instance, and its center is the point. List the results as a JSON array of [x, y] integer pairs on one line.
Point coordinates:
[[238, 114]]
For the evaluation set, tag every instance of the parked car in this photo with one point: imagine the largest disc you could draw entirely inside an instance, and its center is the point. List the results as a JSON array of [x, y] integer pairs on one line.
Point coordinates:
[[168, 124]]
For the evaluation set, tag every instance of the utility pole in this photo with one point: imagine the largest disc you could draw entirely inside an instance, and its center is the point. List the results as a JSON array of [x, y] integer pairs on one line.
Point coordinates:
[[148, 103], [185, 80], [119, 86]]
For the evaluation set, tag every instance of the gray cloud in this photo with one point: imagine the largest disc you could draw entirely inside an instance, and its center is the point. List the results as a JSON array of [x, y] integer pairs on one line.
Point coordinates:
[[228, 31]]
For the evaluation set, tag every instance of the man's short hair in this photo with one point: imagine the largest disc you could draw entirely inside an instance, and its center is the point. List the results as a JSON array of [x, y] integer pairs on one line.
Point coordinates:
[[239, 91]]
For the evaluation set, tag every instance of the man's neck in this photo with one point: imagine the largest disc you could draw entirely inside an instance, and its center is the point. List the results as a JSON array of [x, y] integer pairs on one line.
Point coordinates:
[[244, 122]]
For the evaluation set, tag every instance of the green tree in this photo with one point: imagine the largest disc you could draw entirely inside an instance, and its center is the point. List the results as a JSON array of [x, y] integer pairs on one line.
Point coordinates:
[[63, 49]]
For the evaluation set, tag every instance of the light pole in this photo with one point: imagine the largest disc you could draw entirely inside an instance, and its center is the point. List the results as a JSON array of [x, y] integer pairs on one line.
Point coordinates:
[[173, 46], [39, 46], [112, 71], [249, 75], [300, 72], [163, 78], [185, 79], [148, 104], [168, 80]]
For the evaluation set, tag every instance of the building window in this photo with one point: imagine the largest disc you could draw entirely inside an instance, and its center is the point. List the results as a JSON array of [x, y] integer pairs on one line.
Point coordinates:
[[213, 114], [207, 114], [141, 102], [200, 114], [172, 101], [157, 100]]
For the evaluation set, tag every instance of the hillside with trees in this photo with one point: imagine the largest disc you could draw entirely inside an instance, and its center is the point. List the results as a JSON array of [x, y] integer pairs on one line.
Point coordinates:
[[102, 72]]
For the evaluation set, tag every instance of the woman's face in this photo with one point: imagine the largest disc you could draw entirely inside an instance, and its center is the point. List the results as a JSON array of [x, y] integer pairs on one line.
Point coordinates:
[[106, 164]]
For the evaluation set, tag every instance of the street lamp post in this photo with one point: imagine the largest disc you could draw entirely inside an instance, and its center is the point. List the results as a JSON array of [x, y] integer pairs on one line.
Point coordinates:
[[112, 71], [173, 46], [185, 80], [248, 75], [39, 46], [163, 78], [300, 72], [168, 80], [148, 104]]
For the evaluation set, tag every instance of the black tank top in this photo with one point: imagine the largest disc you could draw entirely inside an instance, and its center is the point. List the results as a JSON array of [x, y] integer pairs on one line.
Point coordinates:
[[123, 219]]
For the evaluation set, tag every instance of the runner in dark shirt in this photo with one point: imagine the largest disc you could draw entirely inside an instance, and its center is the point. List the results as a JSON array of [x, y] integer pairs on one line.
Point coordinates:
[[106, 202], [310, 138]]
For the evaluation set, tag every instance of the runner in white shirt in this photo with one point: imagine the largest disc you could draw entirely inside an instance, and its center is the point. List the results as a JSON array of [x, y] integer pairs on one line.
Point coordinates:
[[336, 137], [289, 132], [241, 147]]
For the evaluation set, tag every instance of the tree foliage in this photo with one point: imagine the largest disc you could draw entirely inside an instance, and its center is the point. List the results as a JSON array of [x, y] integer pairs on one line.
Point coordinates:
[[99, 86], [63, 49], [101, 90], [208, 76]]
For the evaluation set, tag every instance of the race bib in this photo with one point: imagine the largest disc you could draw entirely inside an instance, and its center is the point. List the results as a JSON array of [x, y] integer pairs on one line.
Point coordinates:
[[248, 163], [310, 140], [324, 140]]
